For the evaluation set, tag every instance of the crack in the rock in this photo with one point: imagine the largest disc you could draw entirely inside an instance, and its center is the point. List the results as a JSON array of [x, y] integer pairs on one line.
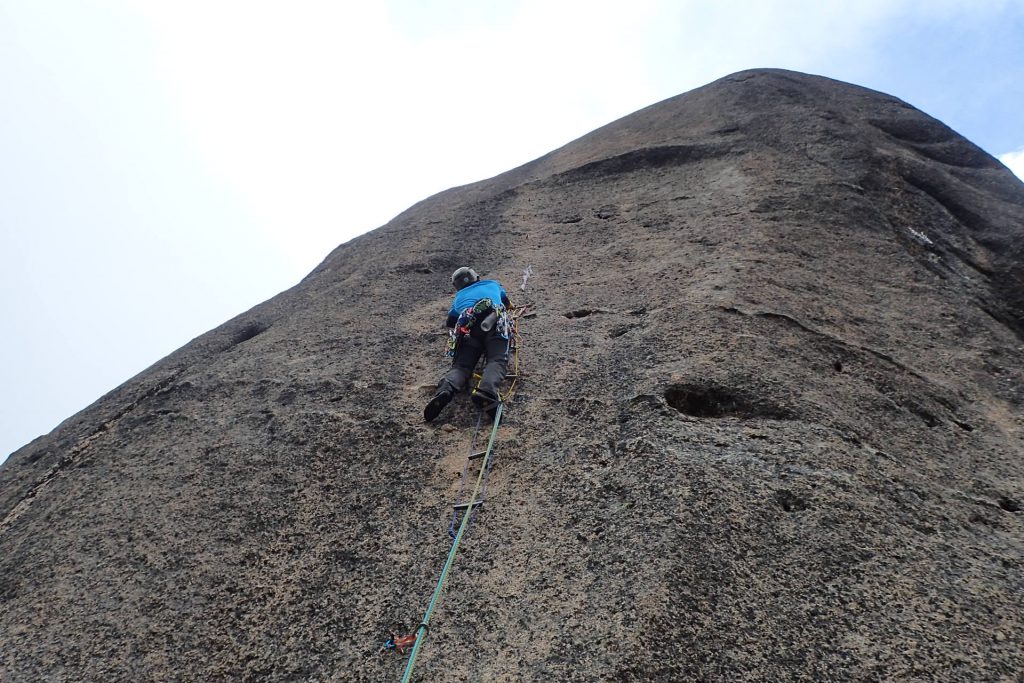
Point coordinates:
[[72, 457], [838, 340]]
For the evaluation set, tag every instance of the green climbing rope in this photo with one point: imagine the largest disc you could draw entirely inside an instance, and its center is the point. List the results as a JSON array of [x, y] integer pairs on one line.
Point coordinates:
[[421, 632]]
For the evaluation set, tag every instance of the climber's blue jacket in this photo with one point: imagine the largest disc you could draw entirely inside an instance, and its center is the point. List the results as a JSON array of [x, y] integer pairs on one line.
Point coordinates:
[[469, 295]]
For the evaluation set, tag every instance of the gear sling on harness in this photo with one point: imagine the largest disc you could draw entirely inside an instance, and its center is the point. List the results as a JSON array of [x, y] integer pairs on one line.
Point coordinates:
[[476, 321]]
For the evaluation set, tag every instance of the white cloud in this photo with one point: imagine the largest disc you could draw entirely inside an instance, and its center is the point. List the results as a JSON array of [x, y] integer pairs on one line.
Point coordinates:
[[1014, 161], [331, 118]]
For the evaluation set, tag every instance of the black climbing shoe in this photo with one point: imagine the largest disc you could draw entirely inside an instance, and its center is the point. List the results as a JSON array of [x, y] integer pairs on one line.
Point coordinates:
[[433, 409], [486, 402]]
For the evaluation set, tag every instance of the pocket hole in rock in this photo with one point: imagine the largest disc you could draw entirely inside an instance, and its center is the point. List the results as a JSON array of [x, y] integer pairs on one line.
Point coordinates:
[[715, 401], [581, 313], [1009, 504], [790, 502], [247, 332]]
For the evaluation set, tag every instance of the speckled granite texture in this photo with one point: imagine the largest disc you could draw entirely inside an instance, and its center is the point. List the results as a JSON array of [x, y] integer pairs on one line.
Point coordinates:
[[770, 430]]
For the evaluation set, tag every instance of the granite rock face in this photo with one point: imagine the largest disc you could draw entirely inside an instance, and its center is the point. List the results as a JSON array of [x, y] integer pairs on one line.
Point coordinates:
[[771, 428]]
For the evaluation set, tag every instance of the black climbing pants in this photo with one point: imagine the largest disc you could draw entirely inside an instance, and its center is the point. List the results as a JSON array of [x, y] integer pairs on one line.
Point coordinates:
[[466, 356]]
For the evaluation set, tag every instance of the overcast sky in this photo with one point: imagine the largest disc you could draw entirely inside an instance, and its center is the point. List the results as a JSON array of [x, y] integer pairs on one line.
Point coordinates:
[[166, 165]]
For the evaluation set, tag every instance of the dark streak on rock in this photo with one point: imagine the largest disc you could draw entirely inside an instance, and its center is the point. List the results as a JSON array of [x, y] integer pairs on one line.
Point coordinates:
[[644, 159]]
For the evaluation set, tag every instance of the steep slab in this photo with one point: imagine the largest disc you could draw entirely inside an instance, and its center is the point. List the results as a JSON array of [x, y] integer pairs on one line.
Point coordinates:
[[771, 429]]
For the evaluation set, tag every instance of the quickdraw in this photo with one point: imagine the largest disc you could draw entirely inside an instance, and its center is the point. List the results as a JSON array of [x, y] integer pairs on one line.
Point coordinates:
[[399, 643]]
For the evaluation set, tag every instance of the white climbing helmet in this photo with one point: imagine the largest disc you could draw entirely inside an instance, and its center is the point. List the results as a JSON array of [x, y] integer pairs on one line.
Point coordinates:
[[463, 277]]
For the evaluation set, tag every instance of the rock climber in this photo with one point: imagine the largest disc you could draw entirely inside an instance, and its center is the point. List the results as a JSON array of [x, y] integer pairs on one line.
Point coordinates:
[[479, 324]]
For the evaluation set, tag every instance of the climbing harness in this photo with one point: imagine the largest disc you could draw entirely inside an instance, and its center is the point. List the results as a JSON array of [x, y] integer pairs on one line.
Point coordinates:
[[463, 513], [483, 316]]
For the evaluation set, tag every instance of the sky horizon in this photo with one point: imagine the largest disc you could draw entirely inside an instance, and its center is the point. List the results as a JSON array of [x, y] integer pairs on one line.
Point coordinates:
[[167, 166]]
